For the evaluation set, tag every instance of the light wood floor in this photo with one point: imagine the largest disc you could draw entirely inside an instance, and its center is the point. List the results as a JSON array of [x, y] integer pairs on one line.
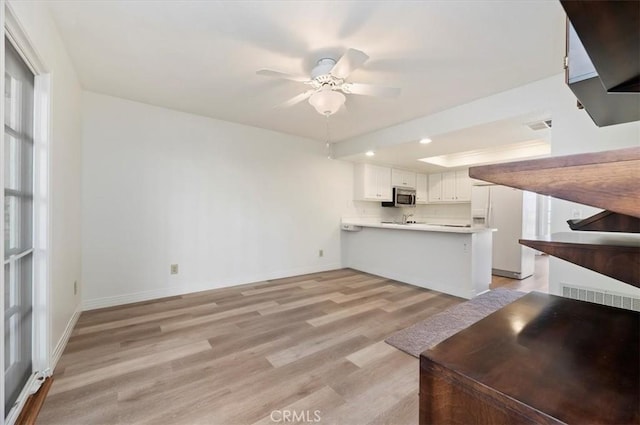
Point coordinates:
[[538, 282], [235, 355]]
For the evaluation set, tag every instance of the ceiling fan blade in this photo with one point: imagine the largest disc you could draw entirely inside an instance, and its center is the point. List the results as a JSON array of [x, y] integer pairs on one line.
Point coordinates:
[[297, 99], [351, 60], [283, 75], [370, 90]]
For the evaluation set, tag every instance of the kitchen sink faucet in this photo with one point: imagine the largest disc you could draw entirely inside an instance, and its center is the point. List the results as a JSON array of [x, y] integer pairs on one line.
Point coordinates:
[[405, 217]]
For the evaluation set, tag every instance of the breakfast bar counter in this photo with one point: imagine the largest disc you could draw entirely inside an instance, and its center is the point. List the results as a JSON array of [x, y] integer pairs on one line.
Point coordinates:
[[421, 227], [452, 259]]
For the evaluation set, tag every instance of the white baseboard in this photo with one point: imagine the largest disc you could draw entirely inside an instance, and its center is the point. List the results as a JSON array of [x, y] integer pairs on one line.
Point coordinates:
[[170, 291], [62, 342]]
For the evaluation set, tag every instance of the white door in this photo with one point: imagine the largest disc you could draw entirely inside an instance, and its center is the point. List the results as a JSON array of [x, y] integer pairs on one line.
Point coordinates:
[[18, 225]]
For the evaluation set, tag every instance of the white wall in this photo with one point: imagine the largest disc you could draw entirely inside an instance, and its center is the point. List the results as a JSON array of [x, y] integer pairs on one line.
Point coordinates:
[[572, 132], [229, 203], [65, 166]]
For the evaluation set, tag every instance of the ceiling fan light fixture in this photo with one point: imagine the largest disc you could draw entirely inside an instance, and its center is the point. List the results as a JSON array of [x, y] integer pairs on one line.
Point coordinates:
[[327, 101], [370, 153], [425, 141]]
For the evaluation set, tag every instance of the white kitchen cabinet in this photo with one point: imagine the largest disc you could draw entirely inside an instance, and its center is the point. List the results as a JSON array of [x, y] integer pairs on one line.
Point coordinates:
[[372, 183], [435, 187], [463, 186], [452, 186], [403, 178], [422, 189], [449, 186]]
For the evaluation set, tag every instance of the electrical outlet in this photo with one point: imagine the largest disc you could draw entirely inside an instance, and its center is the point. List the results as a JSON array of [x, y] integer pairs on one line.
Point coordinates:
[[576, 213], [75, 287], [174, 269], [321, 253]]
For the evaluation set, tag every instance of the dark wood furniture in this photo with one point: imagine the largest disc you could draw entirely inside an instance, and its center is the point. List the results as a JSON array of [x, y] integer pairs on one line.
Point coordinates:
[[547, 359], [614, 255], [607, 180], [610, 180], [542, 359], [607, 221]]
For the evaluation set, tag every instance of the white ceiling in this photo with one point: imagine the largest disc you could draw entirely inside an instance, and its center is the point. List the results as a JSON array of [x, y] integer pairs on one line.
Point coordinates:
[[201, 56]]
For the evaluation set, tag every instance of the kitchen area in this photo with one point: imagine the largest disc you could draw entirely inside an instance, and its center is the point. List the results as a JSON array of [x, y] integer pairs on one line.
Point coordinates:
[[442, 231]]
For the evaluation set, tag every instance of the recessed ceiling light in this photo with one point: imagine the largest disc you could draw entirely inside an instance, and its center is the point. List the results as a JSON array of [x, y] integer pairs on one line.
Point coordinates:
[[425, 141], [370, 153]]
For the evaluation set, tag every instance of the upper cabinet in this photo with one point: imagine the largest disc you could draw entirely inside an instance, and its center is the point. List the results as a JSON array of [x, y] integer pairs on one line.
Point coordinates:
[[463, 186], [372, 183], [402, 178], [603, 64], [435, 187], [422, 189], [449, 186], [452, 186], [375, 183]]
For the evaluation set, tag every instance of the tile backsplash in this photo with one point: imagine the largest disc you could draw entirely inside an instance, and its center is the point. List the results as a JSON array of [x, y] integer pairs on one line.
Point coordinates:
[[430, 213]]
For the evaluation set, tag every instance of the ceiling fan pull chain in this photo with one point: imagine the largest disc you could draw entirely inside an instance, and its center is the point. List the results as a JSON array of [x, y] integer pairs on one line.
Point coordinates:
[[329, 145]]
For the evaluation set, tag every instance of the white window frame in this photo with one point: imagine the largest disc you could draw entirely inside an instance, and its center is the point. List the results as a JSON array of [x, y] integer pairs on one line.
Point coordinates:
[[13, 30]]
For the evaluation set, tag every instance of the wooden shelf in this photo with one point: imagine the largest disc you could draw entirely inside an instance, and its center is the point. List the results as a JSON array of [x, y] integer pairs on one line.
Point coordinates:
[[541, 359], [608, 180], [614, 255], [607, 221]]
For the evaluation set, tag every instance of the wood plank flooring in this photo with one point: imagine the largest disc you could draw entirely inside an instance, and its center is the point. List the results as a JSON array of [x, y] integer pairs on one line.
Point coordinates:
[[538, 282], [308, 345]]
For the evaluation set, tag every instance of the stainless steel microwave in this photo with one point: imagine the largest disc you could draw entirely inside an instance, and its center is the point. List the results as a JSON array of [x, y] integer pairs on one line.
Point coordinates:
[[402, 197]]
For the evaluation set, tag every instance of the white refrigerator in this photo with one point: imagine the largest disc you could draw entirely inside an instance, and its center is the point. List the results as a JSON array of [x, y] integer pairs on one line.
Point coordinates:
[[513, 213]]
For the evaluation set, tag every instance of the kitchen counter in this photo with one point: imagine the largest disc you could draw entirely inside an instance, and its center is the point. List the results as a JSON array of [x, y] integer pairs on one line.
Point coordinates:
[[453, 260], [422, 227]]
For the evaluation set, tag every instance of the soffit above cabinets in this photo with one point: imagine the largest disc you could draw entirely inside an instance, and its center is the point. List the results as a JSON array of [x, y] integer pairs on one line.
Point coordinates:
[[526, 136]]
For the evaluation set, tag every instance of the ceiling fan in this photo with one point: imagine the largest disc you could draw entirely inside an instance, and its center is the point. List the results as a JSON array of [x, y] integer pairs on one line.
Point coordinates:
[[328, 85]]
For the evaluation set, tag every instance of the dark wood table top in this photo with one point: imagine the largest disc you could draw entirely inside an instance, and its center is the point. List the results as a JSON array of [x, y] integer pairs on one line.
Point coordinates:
[[578, 362]]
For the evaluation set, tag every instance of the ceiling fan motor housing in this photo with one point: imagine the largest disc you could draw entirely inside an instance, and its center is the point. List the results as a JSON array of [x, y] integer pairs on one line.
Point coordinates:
[[324, 67], [321, 75]]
